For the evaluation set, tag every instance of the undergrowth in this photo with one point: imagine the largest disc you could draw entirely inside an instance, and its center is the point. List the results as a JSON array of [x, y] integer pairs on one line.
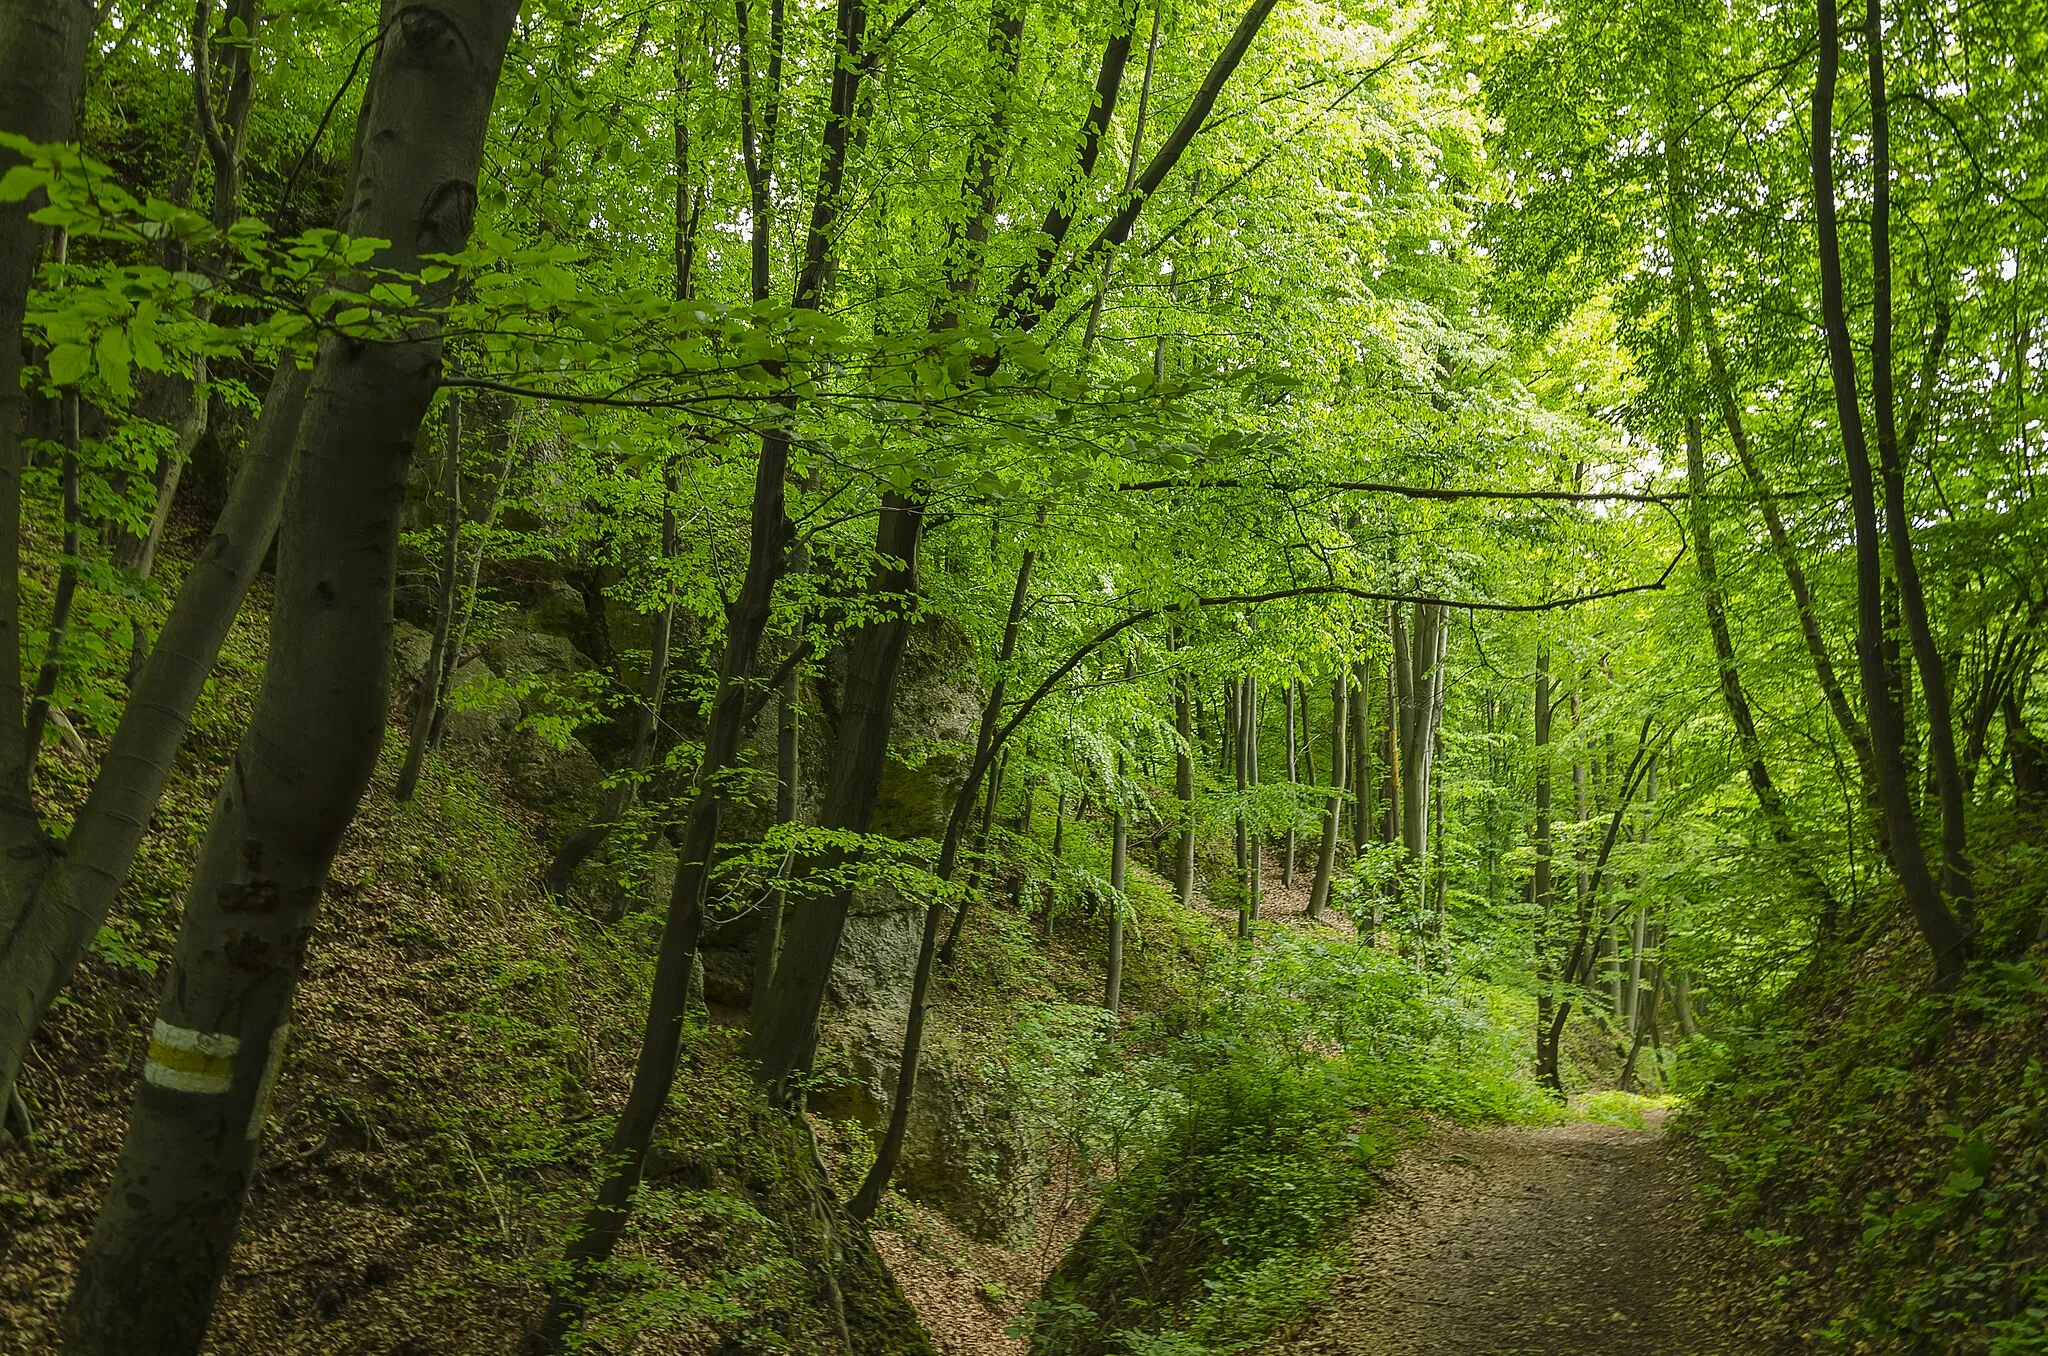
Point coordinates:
[[1885, 1149], [1276, 1103]]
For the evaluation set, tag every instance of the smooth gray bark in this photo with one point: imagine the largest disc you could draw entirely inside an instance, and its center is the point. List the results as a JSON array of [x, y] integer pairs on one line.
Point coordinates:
[[1119, 854], [45, 932], [42, 72], [161, 1244], [1326, 853], [427, 690]]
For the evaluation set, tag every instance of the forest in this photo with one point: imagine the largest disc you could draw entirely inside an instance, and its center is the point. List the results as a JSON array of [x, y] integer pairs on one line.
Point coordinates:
[[1023, 677]]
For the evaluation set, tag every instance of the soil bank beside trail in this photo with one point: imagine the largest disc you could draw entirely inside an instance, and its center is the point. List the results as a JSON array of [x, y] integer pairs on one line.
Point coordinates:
[[1561, 1240]]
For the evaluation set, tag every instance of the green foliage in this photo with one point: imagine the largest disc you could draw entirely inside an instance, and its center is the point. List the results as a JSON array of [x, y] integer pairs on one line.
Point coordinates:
[[1886, 1153], [1299, 1077]]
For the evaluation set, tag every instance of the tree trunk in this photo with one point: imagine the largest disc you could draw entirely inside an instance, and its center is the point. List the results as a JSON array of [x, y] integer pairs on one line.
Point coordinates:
[[1288, 845], [1326, 854], [1234, 726], [161, 1244], [1542, 892], [43, 45], [768, 935], [1945, 937], [747, 618], [783, 1038], [1119, 853], [427, 689], [1681, 995], [1632, 987], [869, 1196], [1733, 696], [1956, 880], [1308, 742], [1256, 869], [225, 137], [2026, 753], [1390, 748], [47, 932], [1184, 792], [1419, 683], [52, 670], [1787, 553], [576, 849]]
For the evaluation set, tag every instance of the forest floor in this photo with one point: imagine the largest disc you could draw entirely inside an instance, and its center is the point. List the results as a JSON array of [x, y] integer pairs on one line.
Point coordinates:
[[1524, 1241]]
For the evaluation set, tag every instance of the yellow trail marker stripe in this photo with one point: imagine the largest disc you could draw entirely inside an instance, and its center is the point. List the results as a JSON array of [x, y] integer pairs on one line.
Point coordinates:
[[183, 1060]]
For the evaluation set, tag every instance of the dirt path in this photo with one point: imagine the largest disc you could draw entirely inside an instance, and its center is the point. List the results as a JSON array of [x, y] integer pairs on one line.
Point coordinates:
[[1521, 1241]]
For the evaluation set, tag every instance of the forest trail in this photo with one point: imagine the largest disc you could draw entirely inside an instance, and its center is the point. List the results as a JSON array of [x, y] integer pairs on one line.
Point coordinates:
[[1521, 1241]]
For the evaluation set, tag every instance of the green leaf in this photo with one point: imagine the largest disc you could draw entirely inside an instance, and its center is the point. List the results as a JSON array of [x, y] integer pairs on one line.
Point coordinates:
[[69, 363], [112, 355], [20, 181]]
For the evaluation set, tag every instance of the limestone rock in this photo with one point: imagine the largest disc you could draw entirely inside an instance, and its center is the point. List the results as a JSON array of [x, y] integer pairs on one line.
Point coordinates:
[[877, 958], [481, 726], [410, 648], [969, 1150], [533, 654], [558, 606], [564, 779]]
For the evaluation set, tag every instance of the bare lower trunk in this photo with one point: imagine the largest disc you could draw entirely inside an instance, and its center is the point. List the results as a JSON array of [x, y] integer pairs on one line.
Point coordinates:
[[768, 935], [1957, 883], [1326, 853], [1184, 793], [464, 603], [161, 1244], [890, 1151], [598, 1234], [45, 935], [42, 69], [1288, 844], [1240, 704], [427, 689], [1736, 699], [1543, 893], [784, 1036], [52, 671], [1119, 853]]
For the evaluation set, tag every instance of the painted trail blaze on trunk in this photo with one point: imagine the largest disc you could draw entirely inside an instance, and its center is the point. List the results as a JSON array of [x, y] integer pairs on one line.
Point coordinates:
[[161, 1244]]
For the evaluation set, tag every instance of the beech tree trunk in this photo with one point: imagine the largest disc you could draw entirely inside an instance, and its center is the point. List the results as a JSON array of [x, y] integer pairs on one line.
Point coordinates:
[[869, 1197], [161, 1244], [1945, 936], [1956, 880], [1288, 844], [1184, 792], [1542, 890], [1119, 854], [1326, 853], [223, 134], [598, 1234], [42, 72], [1419, 685], [1787, 552], [1733, 696], [784, 1036], [45, 930], [576, 849], [52, 670], [426, 692]]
